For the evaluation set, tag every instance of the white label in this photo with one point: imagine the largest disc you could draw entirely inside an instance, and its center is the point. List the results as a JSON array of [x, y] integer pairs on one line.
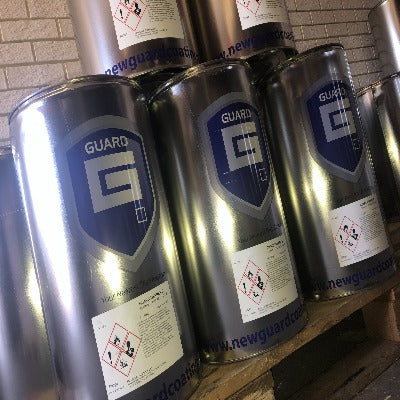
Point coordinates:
[[358, 230], [264, 278], [137, 341], [256, 12], [137, 21]]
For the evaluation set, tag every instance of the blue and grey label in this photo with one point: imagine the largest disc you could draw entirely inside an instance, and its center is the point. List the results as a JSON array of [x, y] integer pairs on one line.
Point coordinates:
[[238, 164], [336, 130], [112, 188]]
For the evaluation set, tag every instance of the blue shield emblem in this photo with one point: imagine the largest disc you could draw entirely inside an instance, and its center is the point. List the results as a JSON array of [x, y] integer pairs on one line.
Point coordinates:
[[237, 157], [112, 187], [337, 140]]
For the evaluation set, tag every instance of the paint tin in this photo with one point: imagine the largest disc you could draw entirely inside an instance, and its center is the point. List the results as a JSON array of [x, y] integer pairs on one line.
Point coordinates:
[[241, 29], [324, 174], [26, 370], [374, 128], [132, 37], [384, 20], [230, 228], [114, 302]]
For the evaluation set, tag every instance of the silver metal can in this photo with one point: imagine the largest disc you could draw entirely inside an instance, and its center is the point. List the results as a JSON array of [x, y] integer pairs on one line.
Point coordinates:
[[131, 37], [241, 29], [114, 302], [26, 370], [230, 228], [384, 20], [374, 129], [324, 173]]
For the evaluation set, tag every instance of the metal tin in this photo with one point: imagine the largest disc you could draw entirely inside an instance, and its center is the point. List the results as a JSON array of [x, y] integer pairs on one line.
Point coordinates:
[[150, 35], [384, 20], [233, 29], [324, 173], [374, 129], [25, 364], [112, 289], [227, 213]]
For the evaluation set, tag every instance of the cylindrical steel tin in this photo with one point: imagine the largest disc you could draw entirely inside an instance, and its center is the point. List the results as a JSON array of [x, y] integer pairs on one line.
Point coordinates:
[[114, 302], [26, 370], [327, 183], [384, 20], [241, 29], [131, 37], [237, 259], [379, 153]]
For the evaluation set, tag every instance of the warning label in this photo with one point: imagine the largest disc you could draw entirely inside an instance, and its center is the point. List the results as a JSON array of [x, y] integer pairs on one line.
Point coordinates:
[[264, 278], [256, 12], [358, 231], [137, 341], [137, 21]]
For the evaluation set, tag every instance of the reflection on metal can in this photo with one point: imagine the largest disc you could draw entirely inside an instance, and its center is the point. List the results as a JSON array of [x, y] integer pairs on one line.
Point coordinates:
[[115, 306], [236, 254], [328, 187]]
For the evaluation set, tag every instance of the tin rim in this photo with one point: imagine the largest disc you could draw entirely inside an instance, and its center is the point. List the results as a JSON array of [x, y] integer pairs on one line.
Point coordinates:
[[376, 6], [301, 56], [379, 82], [194, 71], [69, 84], [5, 147]]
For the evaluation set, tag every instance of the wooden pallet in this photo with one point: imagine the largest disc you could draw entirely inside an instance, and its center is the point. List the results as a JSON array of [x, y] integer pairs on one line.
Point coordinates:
[[252, 379]]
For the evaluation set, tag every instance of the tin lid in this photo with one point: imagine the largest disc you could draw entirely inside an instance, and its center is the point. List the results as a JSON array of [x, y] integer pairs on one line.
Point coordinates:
[[379, 82], [197, 70], [71, 84], [299, 57]]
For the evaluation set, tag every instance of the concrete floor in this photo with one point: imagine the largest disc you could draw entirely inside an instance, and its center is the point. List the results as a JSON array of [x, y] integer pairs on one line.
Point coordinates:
[[385, 387]]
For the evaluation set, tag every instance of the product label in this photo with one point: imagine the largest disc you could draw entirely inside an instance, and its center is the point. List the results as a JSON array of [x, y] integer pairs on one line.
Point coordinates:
[[137, 21], [256, 12], [108, 187], [358, 230], [336, 138], [264, 278], [137, 341], [237, 159]]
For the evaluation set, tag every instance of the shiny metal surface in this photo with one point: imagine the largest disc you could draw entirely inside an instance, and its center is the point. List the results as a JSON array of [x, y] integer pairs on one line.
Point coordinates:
[[384, 20], [318, 193], [26, 370], [83, 275], [377, 145], [221, 34], [98, 45], [213, 226]]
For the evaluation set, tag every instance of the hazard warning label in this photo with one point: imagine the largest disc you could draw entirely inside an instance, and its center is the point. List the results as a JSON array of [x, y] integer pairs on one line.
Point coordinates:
[[358, 231], [137, 341], [264, 278], [256, 12], [137, 21]]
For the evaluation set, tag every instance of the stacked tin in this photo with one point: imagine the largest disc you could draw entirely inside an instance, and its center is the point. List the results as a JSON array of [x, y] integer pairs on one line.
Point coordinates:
[[226, 210], [329, 192], [26, 370], [115, 305]]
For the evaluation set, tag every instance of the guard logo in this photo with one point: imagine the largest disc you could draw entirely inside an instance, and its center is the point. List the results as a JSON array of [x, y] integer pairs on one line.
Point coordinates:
[[336, 131], [112, 188], [237, 157]]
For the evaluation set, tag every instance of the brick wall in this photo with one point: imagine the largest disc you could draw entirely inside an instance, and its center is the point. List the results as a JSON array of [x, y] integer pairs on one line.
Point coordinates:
[[37, 45]]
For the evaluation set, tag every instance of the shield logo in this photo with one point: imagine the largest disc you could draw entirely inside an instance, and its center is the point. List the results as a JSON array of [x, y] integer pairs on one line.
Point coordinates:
[[336, 139], [111, 186], [237, 158]]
